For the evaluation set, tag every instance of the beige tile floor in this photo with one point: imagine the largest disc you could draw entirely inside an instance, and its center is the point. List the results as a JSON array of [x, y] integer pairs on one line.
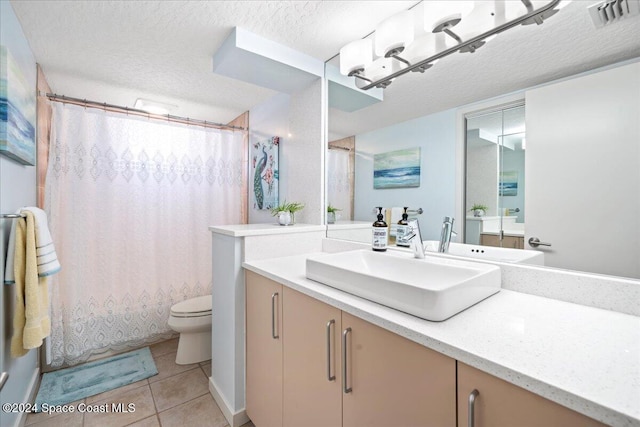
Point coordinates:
[[177, 396]]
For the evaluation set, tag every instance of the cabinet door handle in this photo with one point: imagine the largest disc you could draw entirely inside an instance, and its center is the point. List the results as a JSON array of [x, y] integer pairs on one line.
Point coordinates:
[[329, 352], [274, 334], [472, 405], [345, 387]]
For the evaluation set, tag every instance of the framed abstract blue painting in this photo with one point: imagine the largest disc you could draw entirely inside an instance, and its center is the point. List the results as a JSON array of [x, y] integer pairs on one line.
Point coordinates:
[[508, 185], [17, 112], [397, 169]]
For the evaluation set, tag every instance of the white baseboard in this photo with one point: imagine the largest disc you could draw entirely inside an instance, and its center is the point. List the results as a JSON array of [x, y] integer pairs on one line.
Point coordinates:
[[236, 419]]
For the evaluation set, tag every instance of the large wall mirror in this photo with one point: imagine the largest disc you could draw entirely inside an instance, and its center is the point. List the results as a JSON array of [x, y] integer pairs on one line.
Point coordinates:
[[547, 138]]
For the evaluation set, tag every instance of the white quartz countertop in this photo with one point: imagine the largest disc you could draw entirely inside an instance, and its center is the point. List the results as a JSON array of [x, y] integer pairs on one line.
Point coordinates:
[[584, 358], [240, 230]]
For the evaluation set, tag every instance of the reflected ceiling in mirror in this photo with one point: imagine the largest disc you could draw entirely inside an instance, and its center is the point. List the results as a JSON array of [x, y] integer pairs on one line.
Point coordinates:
[[525, 56]]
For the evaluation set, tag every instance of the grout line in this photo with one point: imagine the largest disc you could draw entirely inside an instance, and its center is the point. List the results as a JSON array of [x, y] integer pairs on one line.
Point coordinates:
[[184, 403], [173, 375], [154, 401], [104, 399], [154, 415]]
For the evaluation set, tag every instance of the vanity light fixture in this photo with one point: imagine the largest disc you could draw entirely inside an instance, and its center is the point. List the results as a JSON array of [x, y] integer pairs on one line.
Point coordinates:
[[399, 46]]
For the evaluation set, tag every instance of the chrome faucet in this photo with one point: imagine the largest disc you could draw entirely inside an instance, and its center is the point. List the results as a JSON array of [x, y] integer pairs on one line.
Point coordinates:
[[415, 239], [445, 235]]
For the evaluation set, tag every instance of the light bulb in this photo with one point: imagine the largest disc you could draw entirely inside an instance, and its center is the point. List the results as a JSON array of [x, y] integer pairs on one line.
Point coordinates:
[[355, 56], [439, 13], [394, 34]]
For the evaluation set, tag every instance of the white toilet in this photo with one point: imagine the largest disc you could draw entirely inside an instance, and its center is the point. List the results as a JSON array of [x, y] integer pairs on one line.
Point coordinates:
[[192, 318]]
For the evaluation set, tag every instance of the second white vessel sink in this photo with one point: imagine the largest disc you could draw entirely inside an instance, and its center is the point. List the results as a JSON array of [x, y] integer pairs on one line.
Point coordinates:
[[433, 288]]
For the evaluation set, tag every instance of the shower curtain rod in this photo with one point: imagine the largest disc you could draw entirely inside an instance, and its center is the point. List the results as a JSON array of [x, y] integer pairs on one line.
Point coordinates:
[[135, 112]]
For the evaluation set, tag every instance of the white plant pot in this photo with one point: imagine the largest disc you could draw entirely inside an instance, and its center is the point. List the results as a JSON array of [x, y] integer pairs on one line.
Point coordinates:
[[284, 218], [478, 212]]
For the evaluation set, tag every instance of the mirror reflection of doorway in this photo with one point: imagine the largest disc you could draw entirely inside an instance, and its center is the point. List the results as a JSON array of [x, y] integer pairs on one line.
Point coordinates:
[[495, 171]]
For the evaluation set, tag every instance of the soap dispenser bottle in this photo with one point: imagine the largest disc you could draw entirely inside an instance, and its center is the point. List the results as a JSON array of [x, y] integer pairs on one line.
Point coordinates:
[[380, 233], [403, 230]]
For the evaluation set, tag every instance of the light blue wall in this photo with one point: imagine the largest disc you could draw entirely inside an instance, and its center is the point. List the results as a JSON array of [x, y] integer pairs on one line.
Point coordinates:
[[435, 135], [17, 188]]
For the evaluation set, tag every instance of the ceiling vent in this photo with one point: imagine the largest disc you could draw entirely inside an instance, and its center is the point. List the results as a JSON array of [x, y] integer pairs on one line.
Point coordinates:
[[611, 11]]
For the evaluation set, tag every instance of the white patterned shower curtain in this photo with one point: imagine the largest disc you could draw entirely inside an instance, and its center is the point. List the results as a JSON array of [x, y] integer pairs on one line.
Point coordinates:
[[129, 203], [338, 181]]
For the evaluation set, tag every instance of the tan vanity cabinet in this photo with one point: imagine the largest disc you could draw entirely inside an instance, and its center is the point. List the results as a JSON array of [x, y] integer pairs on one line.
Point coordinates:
[[312, 369], [264, 350], [295, 371], [311, 364], [391, 381], [501, 404]]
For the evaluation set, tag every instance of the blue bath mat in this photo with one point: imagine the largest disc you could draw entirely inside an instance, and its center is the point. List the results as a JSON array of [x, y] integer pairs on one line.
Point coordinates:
[[75, 383]]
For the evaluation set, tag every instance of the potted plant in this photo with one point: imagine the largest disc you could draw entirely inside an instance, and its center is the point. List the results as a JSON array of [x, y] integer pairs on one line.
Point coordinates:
[[478, 209], [286, 212], [331, 214]]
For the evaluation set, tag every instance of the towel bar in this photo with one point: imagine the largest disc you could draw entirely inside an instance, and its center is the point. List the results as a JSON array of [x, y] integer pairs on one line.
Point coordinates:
[[11, 216]]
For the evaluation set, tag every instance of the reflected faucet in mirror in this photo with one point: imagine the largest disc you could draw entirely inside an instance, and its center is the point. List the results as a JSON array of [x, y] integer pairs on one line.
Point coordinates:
[[445, 236], [415, 237]]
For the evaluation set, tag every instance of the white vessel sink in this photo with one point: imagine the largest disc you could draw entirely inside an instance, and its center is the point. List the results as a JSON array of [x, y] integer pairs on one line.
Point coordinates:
[[433, 288], [489, 253]]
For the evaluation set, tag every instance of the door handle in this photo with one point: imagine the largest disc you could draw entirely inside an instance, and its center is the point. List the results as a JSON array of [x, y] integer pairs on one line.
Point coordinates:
[[534, 242]]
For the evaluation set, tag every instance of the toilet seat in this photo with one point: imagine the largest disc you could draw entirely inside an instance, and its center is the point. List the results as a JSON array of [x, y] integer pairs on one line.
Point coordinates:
[[194, 307]]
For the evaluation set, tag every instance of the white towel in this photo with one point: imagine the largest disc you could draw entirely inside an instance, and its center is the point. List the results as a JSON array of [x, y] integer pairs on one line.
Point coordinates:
[[48, 263]]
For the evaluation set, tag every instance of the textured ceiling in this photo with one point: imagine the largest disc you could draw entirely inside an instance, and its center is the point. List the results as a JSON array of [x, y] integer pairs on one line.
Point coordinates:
[[164, 49]]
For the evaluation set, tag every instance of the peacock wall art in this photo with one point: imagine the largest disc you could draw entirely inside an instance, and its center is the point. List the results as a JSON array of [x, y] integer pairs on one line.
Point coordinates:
[[264, 164]]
